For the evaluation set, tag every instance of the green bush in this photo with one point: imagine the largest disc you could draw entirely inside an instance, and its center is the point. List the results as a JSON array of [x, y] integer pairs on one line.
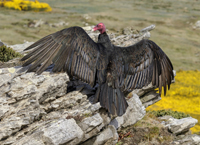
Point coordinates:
[[175, 114], [7, 53]]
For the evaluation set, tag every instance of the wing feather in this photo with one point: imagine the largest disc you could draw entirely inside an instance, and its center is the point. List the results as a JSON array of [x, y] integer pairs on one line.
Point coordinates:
[[39, 42], [70, 50], [143, 63], [48, 61], [34, 55], [44, 55]]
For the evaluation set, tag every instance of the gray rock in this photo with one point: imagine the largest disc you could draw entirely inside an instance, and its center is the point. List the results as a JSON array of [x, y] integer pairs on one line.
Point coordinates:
[[38, 23], [144, 90], [92, 35], [63, 131], [35, 23], [91, 126], [173, 81], [197, 24], [178, 126], [188, 140], [127, 31], [20, 47], [91, 122], [59, 24], [108, 136], [7, 74], [27, 98], [11, 63], [166, 117], [134, 113], [21, 96], [150, 98], [1, 44], [88, 28], [147, 29], [148, 95]]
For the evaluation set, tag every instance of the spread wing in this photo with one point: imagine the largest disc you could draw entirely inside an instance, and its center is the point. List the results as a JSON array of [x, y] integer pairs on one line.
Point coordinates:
[[138, 65], [70, 50]]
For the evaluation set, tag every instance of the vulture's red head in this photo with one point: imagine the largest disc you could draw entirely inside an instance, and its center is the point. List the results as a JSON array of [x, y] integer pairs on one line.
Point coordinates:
[[101, 27]]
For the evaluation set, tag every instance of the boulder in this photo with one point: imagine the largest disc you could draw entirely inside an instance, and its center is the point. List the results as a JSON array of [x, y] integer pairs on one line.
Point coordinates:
[[20, 47], [179, 126], [109, 136], [188, 140], [134, 113], [36, 109], [55, 132]]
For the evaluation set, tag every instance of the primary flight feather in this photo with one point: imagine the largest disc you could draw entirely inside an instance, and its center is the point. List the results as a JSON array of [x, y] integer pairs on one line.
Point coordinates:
[[117, 70]]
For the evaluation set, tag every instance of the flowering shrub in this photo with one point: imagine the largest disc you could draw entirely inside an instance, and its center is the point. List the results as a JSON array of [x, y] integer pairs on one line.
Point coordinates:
[[183, 96], [26, 5]]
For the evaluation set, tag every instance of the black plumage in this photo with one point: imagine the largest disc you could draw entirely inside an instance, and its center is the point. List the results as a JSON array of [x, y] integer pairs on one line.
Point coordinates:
[[117, 70]]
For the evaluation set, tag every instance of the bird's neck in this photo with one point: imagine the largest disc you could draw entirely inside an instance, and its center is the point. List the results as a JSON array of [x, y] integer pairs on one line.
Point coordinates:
[[105, 41]]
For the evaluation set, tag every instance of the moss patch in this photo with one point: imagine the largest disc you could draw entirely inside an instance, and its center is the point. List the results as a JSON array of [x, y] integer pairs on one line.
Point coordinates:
[[7, 53], [175, 114]]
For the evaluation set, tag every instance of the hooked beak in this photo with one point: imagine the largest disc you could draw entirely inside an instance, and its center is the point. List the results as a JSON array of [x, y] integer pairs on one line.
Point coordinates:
[[94, 29]]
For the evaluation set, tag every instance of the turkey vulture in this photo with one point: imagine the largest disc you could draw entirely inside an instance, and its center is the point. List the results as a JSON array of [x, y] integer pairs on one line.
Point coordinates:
[[117, 70]]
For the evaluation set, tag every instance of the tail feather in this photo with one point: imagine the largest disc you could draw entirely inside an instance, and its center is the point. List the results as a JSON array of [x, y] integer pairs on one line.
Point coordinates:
[[111, 99]]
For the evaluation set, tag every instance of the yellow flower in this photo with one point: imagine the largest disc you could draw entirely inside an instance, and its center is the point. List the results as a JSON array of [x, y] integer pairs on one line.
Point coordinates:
[[11, 5], [26, 5], [184, 96]]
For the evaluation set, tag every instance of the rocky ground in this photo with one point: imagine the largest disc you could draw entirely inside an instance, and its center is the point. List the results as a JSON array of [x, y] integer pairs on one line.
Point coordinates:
[[37, 110]]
